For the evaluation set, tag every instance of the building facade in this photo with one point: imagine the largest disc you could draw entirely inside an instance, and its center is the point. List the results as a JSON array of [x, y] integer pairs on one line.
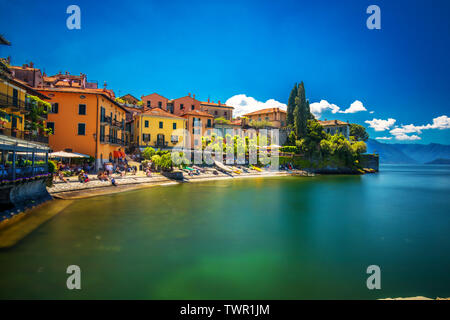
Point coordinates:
[[157, 128], [154, 100], [336, 127], [86, 121], [198, 124], [276, 116], [218, 110]]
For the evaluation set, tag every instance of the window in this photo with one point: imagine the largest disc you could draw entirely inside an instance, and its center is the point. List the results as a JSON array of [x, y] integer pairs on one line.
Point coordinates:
[[82, 109], [267, 118], [146, 123], [149, 103], [196, 142], [15, 98], [102, 133], [160, 104], [160, 124], [225, 113], [209, 123], [51, 125], [146, 137], [55, 107], [181, 106], [215, 112], [102, 115], [81, 129], [174, 126], [174, 139], [192, 107]]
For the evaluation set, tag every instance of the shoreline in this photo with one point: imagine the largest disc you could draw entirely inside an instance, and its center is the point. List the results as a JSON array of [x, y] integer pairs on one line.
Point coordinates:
[[89, 191]]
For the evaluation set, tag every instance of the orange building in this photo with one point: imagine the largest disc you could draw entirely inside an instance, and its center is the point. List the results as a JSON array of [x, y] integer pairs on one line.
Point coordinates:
[[276, 116], [86, 121], [155, 100], [218, 110], [198, 124], [183, 105]]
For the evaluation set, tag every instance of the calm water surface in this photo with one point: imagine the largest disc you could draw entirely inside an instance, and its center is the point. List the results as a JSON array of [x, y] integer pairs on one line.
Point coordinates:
[[273, 238]]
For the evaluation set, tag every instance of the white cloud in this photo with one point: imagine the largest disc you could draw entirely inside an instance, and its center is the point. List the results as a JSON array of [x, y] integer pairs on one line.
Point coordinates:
[[442, 122], [380, 124], [406, 137], [317, 108], [243, 104], [400, 132], [383, 138], [356, 106]]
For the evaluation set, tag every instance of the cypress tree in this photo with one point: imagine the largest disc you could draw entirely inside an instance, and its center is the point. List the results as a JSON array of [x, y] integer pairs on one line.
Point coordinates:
[[291, 106], [301, 116]]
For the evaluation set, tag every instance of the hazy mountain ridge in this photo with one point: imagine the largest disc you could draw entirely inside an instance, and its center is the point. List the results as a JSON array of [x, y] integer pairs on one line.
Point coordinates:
[[408, 153]]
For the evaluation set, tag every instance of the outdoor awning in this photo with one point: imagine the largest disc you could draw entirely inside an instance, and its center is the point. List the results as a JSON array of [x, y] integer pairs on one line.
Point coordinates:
[[64, 154]]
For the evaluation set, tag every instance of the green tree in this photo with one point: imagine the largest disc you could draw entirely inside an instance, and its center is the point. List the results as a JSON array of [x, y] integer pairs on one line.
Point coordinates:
[[358, 132], [148, 153], [291, 106], [302, 112]]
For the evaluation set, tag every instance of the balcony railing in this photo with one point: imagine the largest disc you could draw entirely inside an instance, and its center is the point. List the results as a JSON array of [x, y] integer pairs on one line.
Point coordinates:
[[7, 101], [7, 173], [114, 140], [112, 122], [24, 135]]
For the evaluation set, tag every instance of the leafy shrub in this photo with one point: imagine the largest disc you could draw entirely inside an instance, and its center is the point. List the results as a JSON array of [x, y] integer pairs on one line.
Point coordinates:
[[148, 153]]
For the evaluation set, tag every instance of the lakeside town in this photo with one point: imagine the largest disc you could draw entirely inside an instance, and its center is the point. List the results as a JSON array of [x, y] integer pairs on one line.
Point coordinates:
[[62, 133]]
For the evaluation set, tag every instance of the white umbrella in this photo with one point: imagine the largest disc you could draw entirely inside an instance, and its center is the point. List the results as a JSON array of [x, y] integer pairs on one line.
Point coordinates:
[[64, 154]]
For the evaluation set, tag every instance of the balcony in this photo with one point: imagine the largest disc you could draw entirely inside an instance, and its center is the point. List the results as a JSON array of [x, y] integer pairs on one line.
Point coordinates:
[[114, 140], [7, 101], [24, 135], [112, 122]]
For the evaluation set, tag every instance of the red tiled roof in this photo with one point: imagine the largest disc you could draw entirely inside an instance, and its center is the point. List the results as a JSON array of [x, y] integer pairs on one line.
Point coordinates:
[[197, 113], [332, 123], [158, 112], [264, 111], [104, 92], [154, 93], [212, 104]]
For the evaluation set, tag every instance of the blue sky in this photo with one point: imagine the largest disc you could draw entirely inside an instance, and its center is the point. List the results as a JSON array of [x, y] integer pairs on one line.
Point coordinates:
[[259, 49]]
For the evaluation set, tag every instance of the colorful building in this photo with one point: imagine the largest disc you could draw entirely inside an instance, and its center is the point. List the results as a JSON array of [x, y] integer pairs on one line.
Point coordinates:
[[155, 100], [22, 112], [276, 116], [335, 127], [199, 123], [182, 105], [217, 110], [87, 121], [157, 128]]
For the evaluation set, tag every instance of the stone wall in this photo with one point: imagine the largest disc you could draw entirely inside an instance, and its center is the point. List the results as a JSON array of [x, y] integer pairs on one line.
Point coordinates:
[[16, 194], [370, 161]]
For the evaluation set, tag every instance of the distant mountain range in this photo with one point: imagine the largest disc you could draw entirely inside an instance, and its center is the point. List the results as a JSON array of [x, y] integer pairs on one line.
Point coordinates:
[[439, 161], [408, 153]]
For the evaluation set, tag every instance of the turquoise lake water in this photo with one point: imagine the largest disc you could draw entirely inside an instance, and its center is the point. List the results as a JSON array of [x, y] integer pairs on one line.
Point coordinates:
[[272, 238]]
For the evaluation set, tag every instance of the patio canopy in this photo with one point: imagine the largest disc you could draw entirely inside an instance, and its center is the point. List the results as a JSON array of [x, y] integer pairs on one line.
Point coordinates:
[[64, 154]]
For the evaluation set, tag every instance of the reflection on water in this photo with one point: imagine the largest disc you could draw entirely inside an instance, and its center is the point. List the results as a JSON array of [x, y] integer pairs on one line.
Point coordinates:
[[271, 238]]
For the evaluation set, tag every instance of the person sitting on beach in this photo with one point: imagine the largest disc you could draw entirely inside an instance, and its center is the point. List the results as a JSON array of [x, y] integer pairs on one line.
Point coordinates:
[[113, 182], [83, 177], [61, 177], [80, 177]]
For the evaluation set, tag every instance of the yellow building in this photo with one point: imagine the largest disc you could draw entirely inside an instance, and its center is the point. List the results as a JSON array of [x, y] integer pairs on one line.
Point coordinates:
[[15, 103], [157, 128]]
